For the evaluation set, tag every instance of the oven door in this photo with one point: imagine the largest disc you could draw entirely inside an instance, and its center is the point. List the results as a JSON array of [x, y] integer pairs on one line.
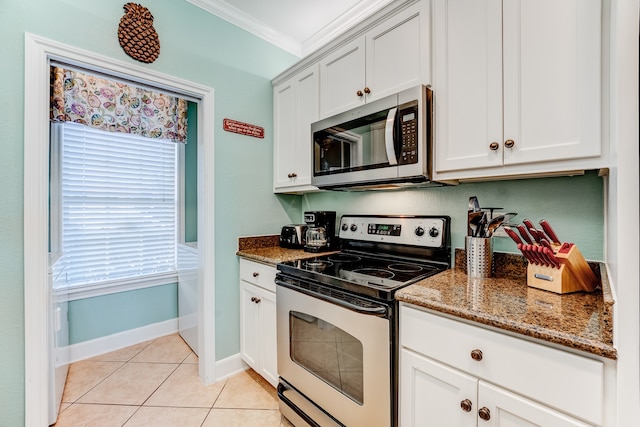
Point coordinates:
[[334, 357]]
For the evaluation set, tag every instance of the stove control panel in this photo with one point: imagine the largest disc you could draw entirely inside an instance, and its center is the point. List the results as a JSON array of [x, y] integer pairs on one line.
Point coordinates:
[[427, 231]]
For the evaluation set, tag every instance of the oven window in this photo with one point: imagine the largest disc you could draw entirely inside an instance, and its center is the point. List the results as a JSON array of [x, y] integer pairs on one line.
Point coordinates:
[[328, 352]]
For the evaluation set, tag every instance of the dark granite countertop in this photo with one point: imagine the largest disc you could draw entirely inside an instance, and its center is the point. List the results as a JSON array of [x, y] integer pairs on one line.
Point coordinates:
[[582, 321], [265, 249]]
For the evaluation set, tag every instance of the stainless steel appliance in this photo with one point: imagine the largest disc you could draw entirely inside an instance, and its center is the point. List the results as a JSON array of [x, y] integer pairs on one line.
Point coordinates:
[[321, 231], [382, 143], [293, 236], [337, 319]]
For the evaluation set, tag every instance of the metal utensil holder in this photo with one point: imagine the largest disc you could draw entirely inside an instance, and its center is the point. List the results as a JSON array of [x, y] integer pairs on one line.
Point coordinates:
[[479, 252]]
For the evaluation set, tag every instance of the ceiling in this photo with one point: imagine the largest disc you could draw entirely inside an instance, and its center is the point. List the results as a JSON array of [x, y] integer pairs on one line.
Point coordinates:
[[297, 26]]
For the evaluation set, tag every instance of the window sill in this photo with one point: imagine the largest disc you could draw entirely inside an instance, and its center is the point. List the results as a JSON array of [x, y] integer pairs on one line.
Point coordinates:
[[61, 294]]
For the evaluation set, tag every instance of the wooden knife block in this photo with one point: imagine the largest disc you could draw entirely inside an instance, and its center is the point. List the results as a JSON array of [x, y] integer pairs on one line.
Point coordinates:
[[574, 274]]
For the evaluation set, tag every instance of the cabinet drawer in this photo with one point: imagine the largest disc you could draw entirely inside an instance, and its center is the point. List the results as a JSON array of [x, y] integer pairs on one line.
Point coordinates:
[[559, 379], [258, 274]]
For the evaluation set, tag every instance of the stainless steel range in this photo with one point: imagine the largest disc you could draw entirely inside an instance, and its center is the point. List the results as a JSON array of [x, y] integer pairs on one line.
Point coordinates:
[[337, 319]]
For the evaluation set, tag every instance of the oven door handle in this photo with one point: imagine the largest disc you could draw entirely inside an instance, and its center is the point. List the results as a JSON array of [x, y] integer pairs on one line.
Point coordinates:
[[374, 311], [379, 311]]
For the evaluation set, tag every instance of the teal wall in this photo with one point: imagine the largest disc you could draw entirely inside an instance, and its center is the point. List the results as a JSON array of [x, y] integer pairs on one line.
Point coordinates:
[[191, 177], [96, 317], [195, 46], [573, 205]]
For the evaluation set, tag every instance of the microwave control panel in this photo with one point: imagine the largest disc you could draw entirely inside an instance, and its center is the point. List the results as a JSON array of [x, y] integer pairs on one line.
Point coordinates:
[[408, 117]]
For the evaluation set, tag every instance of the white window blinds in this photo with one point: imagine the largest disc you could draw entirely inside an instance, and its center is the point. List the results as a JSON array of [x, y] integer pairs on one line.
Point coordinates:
[[118, 205]]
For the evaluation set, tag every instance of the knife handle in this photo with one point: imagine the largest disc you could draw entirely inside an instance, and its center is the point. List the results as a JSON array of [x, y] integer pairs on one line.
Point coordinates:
[[523, 232], [551, 257], [547, 229], [528, 223], [512, 234], [535, 234]]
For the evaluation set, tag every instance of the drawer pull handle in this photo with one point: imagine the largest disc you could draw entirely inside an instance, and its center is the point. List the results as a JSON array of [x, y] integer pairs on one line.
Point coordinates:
[[466, 405], [476, 355], [256, 274], [509, 143], [255, 299], [484, 413]]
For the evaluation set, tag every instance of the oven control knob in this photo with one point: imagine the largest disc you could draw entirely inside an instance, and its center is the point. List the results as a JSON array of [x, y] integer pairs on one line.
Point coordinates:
[[344, 227], [434, 232], [354, 227], [419, 231]]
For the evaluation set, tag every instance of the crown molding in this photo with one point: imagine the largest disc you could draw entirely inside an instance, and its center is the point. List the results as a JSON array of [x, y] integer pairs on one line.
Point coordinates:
[[300, 48]]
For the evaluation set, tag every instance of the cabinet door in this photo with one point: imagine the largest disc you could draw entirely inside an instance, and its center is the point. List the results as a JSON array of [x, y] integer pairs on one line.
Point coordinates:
[[506, 409], [269, 337], [308, 111], [467, 83], [552, 59], [432, 394], [342, 75], [284, 119], [250, 325], [397, 53], [295, 106]]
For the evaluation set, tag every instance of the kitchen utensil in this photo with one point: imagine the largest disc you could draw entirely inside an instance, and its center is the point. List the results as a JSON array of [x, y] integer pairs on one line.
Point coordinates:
[[512, 234], [528, 223], [475, 218], [493, 225], [534, 234], [480, 232], [525, 253], [549, 231], [551, 257], [474, 206], [508, 217], [523, 232]]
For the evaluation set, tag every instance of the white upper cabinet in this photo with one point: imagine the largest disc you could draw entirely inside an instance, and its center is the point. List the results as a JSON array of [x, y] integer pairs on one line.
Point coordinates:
[[295, 107], [517, 86], [390, 57]]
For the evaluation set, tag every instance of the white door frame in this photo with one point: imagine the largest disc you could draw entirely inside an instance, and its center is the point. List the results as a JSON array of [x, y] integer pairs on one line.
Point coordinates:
[[38, 52]]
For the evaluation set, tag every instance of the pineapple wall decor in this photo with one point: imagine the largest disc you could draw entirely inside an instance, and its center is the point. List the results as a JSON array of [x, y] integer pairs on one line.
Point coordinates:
[[136, 34]]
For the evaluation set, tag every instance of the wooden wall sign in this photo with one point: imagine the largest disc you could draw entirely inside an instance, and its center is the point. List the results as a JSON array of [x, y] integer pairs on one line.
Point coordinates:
[[243, 128]]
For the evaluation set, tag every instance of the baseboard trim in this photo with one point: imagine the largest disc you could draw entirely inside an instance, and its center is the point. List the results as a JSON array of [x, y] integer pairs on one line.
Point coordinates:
[[109, 343], [225, 368], [230, 366]]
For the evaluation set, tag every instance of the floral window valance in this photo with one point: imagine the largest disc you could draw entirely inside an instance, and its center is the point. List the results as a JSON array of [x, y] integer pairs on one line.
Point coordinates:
[[117, 107]]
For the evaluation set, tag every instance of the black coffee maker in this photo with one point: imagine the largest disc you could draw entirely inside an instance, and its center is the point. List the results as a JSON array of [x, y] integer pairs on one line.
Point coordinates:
[[321, 231]]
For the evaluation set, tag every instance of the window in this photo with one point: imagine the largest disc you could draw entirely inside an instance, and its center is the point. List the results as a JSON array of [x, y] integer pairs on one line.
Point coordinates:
[[118, 207]]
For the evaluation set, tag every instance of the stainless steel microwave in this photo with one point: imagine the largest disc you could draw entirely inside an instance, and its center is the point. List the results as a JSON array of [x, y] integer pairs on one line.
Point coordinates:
[[382, 144]]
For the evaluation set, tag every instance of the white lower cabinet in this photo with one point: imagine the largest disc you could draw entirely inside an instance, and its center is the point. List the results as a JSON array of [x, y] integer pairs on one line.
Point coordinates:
[[258, 346], [433, 394], [455, 374]]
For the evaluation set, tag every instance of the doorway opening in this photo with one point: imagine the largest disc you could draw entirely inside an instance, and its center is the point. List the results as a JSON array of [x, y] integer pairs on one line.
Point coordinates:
[[39, 53]]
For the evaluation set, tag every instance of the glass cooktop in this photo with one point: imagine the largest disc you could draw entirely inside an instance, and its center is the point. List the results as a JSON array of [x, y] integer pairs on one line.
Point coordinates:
[[361, 273]]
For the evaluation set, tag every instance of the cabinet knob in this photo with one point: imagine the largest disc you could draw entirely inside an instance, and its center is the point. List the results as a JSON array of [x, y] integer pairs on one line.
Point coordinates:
[[466, 405], [476, 355], [367, 90], [509, 143], [484, 413], [255, 299], [292, 175], [494, 146], [359, 93], [256, 274]]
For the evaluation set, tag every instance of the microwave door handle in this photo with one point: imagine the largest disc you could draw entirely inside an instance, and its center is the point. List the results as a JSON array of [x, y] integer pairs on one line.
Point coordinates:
[[388, 136]]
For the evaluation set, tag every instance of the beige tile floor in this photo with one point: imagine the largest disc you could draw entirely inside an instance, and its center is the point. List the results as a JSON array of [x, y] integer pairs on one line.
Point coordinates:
[[156, 383]]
